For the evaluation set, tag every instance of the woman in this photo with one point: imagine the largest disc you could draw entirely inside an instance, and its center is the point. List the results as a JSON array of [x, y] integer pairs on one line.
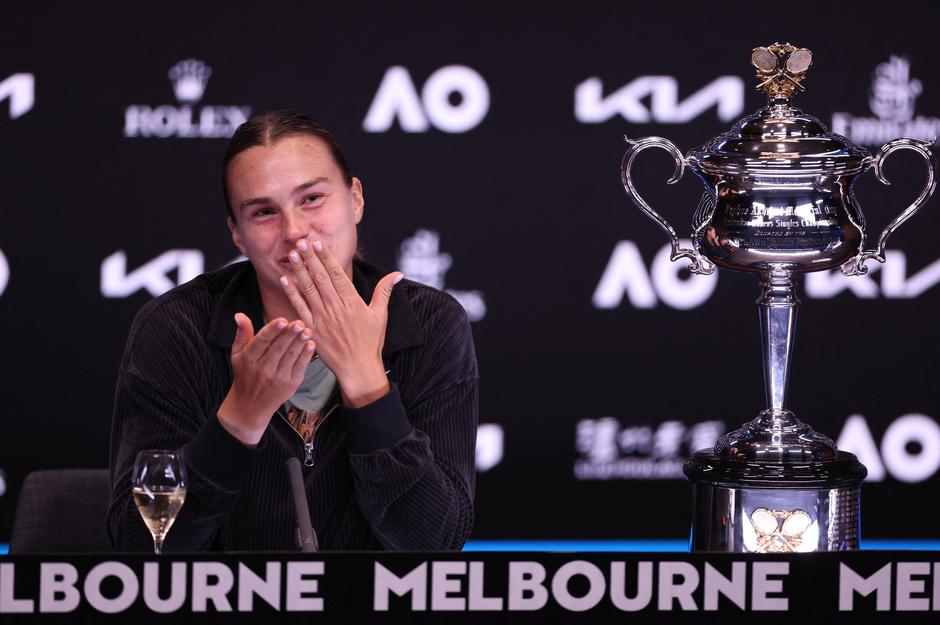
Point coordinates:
[[281, 355]]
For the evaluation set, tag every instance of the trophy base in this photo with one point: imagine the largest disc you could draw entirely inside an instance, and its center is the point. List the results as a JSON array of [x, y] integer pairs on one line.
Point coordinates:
[[767, 508]]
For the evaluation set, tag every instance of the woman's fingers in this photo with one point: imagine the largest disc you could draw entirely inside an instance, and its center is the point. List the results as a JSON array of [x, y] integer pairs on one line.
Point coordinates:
[[305, 278], [338, 279], [264, 338], [285, 366], [270, 361], [318, 272], [303, 359], [297, 300]]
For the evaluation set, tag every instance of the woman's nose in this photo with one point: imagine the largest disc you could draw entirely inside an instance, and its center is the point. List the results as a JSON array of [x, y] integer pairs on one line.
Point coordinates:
[[295, 227]]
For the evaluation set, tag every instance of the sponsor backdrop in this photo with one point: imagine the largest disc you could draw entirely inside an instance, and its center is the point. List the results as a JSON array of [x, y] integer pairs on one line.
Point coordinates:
[[489, 146]]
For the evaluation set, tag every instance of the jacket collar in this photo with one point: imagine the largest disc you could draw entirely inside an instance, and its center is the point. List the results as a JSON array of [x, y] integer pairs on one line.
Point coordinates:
[[242, 295]]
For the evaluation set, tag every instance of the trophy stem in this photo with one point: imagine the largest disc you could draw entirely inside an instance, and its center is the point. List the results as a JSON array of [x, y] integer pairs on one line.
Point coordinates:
[[777, 307]]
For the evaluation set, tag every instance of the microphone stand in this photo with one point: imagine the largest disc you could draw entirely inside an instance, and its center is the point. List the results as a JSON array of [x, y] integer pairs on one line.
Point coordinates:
[[306, 536]]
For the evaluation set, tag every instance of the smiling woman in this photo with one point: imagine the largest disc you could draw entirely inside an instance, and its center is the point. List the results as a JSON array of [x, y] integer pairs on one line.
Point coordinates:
[[370, 379]]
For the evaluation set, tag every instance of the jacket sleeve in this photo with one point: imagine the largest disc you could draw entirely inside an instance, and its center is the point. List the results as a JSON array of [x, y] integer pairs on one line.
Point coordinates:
[[413, 462], [162, 401]]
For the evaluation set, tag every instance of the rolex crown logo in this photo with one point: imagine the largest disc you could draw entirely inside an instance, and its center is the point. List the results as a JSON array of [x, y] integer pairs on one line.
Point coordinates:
[[189, 79]]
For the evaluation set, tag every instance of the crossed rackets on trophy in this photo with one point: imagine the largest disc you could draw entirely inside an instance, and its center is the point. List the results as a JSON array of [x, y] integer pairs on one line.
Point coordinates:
[[780, 531]]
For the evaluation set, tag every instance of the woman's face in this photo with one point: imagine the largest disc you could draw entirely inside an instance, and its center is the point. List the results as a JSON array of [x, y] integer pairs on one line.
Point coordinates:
[[288, 191]]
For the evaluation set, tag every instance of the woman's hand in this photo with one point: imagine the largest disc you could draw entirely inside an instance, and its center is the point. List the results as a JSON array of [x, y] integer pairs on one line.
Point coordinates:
[[348, 332], [267, 369]]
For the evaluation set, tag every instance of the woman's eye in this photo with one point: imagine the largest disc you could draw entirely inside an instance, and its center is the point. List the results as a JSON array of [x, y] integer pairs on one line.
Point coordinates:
[[313, 197], [261, 212]]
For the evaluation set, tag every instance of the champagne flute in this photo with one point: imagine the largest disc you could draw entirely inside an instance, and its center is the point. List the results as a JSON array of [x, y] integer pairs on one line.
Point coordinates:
[[159, 488]]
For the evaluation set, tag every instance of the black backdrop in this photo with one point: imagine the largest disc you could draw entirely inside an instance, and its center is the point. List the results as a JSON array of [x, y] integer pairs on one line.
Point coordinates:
[[500, 183]]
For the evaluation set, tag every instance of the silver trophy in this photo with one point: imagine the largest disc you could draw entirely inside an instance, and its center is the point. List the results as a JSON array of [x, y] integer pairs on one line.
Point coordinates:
[[778, 202]]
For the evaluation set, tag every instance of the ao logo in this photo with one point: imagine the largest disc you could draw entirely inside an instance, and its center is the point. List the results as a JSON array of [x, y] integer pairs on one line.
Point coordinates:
[[21, 91], [397, 98], [591, 107], [626, 274], [4, 272], [910, 447]]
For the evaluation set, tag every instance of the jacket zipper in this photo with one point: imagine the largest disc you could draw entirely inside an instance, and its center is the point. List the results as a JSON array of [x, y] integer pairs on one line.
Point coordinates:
[[308, 446], [309, 460]]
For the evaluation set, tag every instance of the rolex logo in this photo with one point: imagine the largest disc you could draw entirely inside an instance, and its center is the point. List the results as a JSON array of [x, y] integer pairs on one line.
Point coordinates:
[[187, 119], [189, 79]]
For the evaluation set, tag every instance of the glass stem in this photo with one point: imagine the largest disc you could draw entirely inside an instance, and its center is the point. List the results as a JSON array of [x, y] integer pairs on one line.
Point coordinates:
[[158, 544]]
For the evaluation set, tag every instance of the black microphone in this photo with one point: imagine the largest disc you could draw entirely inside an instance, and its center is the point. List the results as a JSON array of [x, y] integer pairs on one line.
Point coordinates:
[[306, 536]]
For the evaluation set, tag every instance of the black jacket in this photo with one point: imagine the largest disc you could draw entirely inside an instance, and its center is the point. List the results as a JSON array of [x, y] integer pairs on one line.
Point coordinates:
[[395, 474]]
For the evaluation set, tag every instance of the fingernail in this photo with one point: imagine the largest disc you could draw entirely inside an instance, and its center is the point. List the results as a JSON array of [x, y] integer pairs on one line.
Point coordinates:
[[302, 245], [284, 281], [294, 257], [297, 328], [318, 246], [281, 325], [306, 337], [310, 348], [398, 278]]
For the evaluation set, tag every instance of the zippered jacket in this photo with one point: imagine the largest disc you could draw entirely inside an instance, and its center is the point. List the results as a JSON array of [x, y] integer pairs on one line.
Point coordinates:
[[395, 474]]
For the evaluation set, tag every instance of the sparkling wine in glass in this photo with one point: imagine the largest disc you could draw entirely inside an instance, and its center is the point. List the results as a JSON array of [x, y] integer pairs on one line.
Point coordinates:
[[159, 489]]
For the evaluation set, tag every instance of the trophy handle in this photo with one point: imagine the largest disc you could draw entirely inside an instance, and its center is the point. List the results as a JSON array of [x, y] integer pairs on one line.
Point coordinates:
[[856, 265], [699, 264]]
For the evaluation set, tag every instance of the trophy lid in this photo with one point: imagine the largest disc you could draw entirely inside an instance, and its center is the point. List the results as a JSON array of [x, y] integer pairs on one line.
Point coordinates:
[[779, 139]]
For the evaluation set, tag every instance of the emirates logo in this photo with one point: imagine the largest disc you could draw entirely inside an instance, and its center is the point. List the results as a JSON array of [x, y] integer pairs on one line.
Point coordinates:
[[892, 99], [421, 259]]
